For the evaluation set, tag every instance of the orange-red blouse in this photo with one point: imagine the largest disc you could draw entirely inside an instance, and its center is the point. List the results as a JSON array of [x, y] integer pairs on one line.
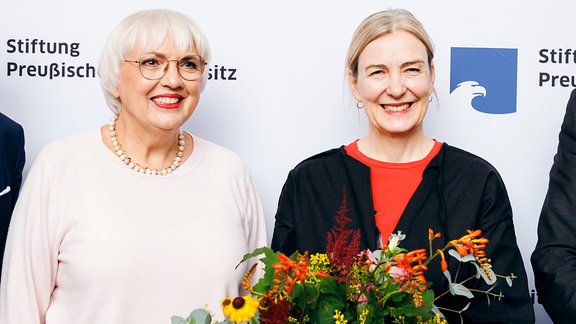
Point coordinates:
[[393, 184]]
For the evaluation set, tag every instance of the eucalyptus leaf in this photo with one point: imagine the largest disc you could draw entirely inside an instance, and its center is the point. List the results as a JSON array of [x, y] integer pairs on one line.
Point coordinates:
[[379, 255], [469, 258], [178, 320], [435, 310], [509, 281], [483, 272], [200, 316], [455, 254], [448, 275], [460, 290]]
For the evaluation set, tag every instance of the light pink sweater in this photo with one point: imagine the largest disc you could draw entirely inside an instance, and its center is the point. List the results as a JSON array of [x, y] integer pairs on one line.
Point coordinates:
[[92, 241]]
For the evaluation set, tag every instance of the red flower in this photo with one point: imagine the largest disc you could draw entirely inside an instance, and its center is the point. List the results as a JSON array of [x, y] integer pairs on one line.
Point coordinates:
[[343, 244], [274, 311]]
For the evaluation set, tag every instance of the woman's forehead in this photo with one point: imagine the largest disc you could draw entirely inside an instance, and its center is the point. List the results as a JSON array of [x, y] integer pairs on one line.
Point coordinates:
[[167, 47]]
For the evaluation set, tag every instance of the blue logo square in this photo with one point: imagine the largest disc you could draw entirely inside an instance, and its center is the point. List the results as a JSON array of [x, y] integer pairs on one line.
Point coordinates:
[[488, 75]]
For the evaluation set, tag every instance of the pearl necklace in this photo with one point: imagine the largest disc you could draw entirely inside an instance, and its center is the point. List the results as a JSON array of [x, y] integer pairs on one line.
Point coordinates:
[[137, 167]]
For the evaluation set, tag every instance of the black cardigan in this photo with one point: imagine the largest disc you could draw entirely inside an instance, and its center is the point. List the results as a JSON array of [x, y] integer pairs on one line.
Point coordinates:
[[459, 191]]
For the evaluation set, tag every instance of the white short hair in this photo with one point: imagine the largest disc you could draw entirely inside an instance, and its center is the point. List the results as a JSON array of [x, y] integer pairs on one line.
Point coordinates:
[[147, 30]]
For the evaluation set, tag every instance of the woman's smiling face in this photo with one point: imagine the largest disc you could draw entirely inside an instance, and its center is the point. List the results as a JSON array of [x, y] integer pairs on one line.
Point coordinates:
[[164, 104], [394, 83]]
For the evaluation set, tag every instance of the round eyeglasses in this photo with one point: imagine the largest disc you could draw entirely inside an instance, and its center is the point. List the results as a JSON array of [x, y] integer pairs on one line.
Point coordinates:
[[154, 66]]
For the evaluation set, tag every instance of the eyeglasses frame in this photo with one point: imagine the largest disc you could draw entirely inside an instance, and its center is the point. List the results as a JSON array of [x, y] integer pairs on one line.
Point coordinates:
[[201, 66]]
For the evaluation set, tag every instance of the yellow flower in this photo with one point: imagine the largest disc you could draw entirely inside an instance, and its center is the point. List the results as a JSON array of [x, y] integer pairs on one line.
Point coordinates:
[[363, 316], [339, 318], [227, 306], [239, 309], [438, 320], [319, 262]]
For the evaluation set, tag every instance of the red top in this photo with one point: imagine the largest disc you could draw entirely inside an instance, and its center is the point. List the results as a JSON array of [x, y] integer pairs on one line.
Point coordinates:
[[393, 184]]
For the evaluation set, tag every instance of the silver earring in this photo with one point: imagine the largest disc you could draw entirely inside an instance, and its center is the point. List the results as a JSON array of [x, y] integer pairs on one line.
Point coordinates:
[[359, 104], [430, 98]]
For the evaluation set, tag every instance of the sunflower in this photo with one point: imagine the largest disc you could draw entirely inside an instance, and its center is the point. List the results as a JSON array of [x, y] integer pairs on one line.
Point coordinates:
[[239, 309]]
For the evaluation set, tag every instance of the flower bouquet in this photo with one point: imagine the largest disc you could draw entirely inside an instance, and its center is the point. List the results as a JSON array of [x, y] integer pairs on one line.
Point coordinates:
[[346, 285]]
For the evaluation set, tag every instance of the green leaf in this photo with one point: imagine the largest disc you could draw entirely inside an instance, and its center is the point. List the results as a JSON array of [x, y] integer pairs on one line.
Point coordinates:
[[325, 315], [200, 316], [334, 291], [263, 250], [398, 297], [326, 309], [304, 294], [270, 258], [178, 320]]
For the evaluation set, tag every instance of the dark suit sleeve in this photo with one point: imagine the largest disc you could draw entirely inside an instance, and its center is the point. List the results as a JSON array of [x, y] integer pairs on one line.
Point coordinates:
[[497, 225], [554, 258], [19, 160], [12, 160], [284, 239]]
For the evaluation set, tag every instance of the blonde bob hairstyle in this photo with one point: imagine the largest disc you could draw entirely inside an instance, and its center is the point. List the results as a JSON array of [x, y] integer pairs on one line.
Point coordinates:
[[147, 30], [382, 23]]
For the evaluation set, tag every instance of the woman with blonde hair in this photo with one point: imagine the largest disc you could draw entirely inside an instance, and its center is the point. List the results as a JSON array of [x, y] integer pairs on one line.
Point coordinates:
[[396, 178]]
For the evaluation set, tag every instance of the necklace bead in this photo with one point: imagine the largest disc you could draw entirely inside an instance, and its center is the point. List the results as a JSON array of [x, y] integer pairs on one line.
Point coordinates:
[[123, 156]]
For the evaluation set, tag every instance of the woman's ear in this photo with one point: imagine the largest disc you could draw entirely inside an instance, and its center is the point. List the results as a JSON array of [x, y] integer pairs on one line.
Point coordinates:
[[432, 78], [353, 83]]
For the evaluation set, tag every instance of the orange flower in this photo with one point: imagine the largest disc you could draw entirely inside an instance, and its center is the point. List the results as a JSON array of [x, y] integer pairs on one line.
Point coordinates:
[[474, 244], [288, 273], [432, 236], [461, 249], [405, 260], [443, 262], [248, 277], [301, 270], [285, 264], [411, 275], [417, 256], [470, 244]]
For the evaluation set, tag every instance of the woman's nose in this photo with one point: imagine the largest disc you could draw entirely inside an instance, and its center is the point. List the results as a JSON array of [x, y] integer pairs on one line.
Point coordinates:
[[172, 76], [396, 86]]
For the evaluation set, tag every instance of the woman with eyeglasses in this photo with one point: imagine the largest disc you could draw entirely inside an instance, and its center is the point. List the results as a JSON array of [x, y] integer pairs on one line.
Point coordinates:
[[139, 220]]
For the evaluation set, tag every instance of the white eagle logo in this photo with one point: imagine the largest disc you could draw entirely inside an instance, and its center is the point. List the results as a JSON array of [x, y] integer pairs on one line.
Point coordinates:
[[466, 91]]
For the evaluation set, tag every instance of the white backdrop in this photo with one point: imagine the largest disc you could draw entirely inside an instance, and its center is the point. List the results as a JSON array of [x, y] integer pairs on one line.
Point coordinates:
[[280, 94]]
